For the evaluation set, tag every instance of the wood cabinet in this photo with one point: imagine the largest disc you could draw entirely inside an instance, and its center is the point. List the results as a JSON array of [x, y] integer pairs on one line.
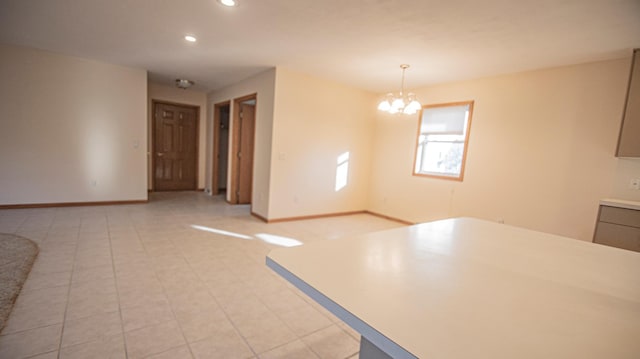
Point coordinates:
[[618, 227], [629, 140]]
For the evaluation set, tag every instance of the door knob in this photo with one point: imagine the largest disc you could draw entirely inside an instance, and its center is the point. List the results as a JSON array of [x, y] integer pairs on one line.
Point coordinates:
[[160, 154]]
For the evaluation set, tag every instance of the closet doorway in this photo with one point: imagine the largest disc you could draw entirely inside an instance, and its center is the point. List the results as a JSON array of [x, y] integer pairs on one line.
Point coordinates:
[[221, 121]]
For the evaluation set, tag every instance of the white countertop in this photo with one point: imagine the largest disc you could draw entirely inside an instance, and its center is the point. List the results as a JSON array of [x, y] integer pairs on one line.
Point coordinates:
[[467, 288], [620, 203]]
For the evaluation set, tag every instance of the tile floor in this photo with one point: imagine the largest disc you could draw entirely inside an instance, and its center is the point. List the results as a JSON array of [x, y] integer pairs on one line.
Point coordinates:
[[180, 277]]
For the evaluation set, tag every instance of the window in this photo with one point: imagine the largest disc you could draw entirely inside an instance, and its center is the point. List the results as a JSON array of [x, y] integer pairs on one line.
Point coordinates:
[[443, 135]]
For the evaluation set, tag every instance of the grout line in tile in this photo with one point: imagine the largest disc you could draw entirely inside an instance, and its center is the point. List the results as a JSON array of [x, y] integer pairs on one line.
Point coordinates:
[[21, 224], [115, 279], [37, 355], [178, 322], [170, 308], [225, 313], [287, 343], [66, 306]]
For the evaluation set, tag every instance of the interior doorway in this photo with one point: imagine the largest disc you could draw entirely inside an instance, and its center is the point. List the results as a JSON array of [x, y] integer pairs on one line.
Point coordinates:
[[221, 121], [243, 135], [175, 146]]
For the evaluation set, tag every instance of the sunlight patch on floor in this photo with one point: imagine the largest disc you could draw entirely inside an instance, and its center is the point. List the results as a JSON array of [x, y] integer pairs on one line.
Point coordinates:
[[278, 240], [265, 237], [220, 231]]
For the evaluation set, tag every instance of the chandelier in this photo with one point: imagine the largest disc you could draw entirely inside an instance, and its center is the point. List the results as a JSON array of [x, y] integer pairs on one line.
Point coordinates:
[[406, 104], [184, 84]]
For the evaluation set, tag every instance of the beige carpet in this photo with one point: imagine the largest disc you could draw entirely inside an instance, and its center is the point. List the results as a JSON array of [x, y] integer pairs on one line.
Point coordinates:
[[16, 258]]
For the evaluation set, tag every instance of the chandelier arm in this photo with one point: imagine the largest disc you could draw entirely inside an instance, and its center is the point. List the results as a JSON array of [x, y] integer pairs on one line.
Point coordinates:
[[402, 83]]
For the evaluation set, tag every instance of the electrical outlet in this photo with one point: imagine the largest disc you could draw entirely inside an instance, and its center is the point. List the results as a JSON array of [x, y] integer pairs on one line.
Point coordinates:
[[634, 183]]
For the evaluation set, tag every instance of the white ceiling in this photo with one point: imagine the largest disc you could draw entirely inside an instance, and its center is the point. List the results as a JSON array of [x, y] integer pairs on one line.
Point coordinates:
[[357, 42]]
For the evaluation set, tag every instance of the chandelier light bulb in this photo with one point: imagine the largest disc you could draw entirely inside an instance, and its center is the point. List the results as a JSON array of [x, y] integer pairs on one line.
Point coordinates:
[[385, 105], [398, 104], [413, 103]]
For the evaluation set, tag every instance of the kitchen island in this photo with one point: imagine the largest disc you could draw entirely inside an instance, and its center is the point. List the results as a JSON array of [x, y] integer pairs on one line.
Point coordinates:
[[468, 288]]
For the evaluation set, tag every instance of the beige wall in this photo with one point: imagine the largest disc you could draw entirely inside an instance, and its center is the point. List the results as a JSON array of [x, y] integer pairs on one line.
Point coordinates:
[[173, 94], [541, 151], [72, 130], [315, 121], [263, 85]]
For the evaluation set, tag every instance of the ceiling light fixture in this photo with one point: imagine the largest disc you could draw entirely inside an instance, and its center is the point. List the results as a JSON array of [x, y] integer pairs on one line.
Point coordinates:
[[184, 84], [190, 38], [406, 104], [229, 3]]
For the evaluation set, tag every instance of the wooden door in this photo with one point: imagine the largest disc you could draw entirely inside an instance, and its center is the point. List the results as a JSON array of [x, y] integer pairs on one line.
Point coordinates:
[[175, 135], [243, 138]]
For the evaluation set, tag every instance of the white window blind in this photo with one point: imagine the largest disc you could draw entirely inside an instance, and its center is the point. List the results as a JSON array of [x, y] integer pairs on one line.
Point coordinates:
[[445, 120]]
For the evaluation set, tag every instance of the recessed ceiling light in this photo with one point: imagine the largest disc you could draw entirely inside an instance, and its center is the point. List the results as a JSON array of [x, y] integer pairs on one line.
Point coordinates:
[[228, 2], [190, 38]]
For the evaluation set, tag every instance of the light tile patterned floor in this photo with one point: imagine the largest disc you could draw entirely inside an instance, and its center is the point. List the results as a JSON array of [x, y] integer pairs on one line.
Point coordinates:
[[180, 277]]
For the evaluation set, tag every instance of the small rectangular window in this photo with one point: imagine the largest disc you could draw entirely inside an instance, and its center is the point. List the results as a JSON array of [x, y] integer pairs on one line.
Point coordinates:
[[443, 134]]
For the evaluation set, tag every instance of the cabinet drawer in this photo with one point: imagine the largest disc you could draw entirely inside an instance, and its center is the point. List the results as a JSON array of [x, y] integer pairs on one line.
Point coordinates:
[[618, 236], [623, 216]]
